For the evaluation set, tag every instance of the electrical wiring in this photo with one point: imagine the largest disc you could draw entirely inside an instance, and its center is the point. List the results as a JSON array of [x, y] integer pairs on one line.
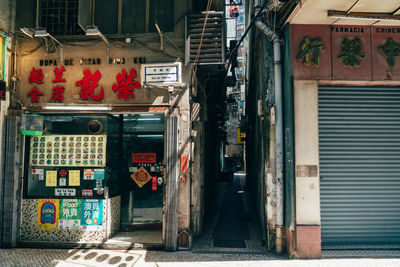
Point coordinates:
[[196, 64]]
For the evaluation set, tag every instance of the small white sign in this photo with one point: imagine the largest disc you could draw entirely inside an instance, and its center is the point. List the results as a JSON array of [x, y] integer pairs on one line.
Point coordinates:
[[163, 73], [63, 192], [39, 173], [69, 224], [88, 174]]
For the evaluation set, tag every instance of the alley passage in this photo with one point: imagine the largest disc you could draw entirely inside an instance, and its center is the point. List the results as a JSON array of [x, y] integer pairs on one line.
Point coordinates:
[[232, 226]]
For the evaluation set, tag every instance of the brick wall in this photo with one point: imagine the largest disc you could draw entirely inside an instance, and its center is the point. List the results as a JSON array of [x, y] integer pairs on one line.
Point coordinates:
[[308, 241]]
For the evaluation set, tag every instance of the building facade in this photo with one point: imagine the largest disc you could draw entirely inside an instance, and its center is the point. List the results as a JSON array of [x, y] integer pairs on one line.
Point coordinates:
[[340, 83], [105, 122]]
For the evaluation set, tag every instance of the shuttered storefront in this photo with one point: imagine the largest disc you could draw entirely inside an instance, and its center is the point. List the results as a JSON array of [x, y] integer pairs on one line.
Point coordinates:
[[359, 145]]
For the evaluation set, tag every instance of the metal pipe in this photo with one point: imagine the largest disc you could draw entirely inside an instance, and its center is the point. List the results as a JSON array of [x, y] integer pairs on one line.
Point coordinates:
[[279, 133]]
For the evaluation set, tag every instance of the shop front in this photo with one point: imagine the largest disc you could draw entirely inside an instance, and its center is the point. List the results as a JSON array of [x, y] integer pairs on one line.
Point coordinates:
[[95, 161], [346, 92]]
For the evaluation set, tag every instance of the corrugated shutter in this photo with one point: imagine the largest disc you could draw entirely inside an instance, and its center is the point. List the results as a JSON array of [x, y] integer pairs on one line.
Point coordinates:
[[359, 139]]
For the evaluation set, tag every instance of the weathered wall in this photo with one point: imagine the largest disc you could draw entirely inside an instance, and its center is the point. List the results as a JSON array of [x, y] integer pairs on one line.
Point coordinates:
[[308, 219], [7, 18]]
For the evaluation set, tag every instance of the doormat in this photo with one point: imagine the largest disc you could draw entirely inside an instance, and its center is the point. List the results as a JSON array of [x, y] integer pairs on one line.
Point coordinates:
[[225, 243]]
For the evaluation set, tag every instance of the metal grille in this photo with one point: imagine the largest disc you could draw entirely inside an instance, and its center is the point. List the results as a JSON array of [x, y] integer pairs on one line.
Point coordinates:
[[359, 139], [212, 51], [60, 17], [171, 202]]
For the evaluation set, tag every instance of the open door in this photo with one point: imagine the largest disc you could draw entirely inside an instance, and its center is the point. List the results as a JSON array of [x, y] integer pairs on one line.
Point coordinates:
[[142, 186]]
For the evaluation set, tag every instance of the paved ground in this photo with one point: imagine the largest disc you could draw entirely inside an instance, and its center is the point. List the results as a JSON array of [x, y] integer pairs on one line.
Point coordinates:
[[204, 252], [120, 258]]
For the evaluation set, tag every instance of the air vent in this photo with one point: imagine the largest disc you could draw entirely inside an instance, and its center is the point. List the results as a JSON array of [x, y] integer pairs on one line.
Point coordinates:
[[212, 48]]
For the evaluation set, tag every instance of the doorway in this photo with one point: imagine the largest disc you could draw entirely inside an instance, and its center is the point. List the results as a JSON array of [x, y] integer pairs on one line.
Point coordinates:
[[142, 172]]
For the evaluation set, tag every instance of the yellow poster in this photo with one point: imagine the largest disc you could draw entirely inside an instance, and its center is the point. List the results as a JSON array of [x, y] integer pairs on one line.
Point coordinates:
[[74, 177], [51, 178], [47, 214], [2, 57]]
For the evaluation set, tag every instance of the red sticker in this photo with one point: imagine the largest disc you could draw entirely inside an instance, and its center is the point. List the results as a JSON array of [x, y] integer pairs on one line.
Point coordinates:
[[154, 183]]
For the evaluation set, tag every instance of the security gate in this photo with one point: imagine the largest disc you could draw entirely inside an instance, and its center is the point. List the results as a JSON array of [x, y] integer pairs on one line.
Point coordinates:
[[359, 145]]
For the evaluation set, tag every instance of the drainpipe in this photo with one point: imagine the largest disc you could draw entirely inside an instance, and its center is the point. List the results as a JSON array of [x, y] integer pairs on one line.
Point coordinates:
[[279, 133]]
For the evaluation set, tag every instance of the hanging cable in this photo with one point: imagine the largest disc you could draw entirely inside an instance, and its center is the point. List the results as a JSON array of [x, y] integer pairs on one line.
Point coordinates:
[[194, 75]]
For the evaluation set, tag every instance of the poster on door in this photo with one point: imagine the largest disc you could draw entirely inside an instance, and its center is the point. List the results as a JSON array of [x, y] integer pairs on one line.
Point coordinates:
[[70, 214], [47, 214], [92, 212]]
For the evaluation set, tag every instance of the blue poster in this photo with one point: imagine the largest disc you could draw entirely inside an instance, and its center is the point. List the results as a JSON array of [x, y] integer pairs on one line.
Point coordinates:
[[92, 212]]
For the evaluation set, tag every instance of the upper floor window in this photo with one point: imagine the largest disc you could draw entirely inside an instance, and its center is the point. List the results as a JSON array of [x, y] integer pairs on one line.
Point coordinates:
[[60, 17]]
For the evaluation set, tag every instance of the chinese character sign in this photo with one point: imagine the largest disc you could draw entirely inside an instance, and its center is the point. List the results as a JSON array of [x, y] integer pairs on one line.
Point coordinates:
[[34, 94], [58, 73], [88, 85], [36, 76], [126, 84], [390, 51], [310, 50], [351, 53], [92, 212], [47, 214]]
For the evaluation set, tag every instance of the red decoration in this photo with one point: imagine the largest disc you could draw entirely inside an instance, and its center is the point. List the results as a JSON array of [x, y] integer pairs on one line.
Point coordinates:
[[144, 157], [36, 76], [154, 183], [58, 73], [62, 173], [126, 84], [184, 163], [88, 85], [34, 94], [58, 94], [141, 177]]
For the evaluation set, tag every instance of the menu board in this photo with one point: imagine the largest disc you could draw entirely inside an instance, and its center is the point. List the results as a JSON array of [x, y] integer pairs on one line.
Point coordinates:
[[68, 150]]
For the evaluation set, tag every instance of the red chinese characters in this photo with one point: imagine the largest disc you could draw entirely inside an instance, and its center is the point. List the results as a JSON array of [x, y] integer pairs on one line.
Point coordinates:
[[126, 84], [58, 73], [34, 94], [36, 76], [89, 83], [58, 94], [58, 91]]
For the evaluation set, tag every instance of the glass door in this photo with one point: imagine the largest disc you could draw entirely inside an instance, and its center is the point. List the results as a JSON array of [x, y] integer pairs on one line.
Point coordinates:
[[142, 185]]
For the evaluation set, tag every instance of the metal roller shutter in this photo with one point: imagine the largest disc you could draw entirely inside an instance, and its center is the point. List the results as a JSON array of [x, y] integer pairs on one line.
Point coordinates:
[[359, 145]]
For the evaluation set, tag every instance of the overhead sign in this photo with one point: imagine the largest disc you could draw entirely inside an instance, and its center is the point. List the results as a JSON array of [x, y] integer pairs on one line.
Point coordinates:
[[144, 157], [165, 73]]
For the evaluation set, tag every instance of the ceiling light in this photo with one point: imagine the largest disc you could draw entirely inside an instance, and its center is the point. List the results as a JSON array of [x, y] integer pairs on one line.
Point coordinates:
[[41, 32], [77, 107], [362, 15], [94, 31], [29, 32]]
